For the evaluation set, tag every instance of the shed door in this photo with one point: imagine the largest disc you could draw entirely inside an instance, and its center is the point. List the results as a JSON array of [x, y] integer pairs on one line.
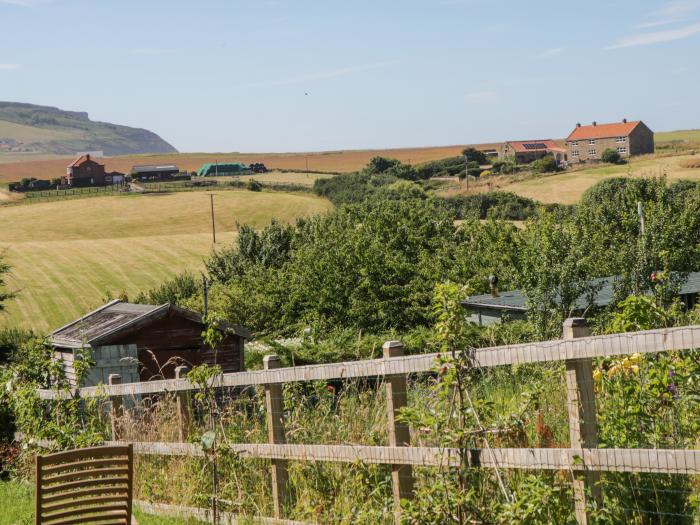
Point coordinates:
[[115, 359]]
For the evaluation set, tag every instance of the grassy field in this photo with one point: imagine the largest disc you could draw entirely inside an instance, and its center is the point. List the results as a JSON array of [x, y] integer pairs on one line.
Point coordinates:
[[279, 177], [329, 161], [568, 187], [66, 257], [17, 507], [688, 135]]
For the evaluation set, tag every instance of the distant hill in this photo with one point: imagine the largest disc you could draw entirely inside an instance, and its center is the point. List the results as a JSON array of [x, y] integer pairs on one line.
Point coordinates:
[[44, 129]]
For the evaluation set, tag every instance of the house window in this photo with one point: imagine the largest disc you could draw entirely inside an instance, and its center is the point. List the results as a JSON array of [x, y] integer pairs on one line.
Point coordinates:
[[621, 139], [591, 142], [622, 150], [573, 143], [574, 153], [592, 152]]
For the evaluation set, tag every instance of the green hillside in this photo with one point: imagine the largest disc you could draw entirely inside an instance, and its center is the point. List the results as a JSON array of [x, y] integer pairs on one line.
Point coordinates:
[[43, 129]]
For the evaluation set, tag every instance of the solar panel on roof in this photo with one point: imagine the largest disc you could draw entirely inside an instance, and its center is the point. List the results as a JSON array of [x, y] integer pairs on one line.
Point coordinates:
[[535, 145]]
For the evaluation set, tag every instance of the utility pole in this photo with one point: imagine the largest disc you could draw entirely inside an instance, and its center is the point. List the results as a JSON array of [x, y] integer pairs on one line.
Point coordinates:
[[466, 170], [213, 223], [640, 212], [205, 295], [216, 169]]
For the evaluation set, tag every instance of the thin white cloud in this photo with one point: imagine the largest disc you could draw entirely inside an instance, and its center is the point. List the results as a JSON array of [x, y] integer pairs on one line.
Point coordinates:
[[656, 23], [152, 51], [680, 70], [22, 3], [657, 37], [8, 67], [677, 8], [480, 96], [323, 75], [550, 53]]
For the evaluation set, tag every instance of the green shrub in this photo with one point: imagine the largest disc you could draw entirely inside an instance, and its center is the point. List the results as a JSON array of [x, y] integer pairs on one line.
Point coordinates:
[[475, 155], [254, 185], [505, 165], [546, 164], [611, 156]]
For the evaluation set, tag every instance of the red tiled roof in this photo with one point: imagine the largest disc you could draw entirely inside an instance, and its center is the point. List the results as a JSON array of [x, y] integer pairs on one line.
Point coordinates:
[[519, 146], [601, 131], [80, 160]]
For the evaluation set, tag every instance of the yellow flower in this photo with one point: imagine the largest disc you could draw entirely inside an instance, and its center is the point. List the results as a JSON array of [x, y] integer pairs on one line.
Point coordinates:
[[597, 375]]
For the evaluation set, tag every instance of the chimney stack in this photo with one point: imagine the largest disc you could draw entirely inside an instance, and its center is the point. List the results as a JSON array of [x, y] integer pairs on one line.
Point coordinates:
[[578, 124], [493, 284], [87, 156], [595, 123], [624, 121]]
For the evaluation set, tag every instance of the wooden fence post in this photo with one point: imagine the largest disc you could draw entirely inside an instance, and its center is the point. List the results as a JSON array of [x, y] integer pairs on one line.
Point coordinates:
[[184, 409], [275, 433], [583, 423], [399, 435], [117, 408]]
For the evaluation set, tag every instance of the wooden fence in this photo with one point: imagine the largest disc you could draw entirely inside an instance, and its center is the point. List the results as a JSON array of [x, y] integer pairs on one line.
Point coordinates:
[[583, 459]]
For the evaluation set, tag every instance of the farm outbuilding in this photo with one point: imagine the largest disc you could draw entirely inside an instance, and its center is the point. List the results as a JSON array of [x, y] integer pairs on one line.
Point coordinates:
[[154, 172], [222, 170], [492, 308], [143, 342]]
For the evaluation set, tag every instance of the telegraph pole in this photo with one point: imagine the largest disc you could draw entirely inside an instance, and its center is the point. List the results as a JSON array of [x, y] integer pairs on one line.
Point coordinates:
[[466, 170], [213, 223]]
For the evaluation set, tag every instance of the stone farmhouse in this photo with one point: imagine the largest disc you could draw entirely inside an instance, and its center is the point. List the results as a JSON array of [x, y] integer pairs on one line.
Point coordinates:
[[587, 143]]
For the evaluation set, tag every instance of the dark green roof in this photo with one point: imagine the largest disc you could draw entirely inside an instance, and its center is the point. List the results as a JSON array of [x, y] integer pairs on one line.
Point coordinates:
[[227, 167], [516, 299]]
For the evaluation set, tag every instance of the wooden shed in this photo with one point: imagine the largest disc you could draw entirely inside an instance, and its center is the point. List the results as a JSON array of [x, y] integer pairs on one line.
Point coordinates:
[[142, 342]]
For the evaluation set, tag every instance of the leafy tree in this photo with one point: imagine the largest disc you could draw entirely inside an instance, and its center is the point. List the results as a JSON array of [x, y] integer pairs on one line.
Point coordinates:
[[552, 268], [505, 165], [253, 185], [667, 248], [611, 155], [475, 155], [175, 291], [380, 165], [546, 164]]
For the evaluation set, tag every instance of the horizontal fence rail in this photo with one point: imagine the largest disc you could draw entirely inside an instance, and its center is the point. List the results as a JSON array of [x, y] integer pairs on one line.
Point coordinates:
[[658, 461], [650, 341]]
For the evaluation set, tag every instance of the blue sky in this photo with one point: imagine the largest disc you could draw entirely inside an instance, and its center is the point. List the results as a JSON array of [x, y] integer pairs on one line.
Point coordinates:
[[295, 75]]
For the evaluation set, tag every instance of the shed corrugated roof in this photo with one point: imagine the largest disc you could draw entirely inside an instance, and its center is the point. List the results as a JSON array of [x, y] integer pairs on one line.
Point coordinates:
[[516, 299], [115, 317]]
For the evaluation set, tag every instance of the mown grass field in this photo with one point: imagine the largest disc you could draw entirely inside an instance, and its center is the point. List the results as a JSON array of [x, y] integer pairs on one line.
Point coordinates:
[[280, 177], [67, 256]]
